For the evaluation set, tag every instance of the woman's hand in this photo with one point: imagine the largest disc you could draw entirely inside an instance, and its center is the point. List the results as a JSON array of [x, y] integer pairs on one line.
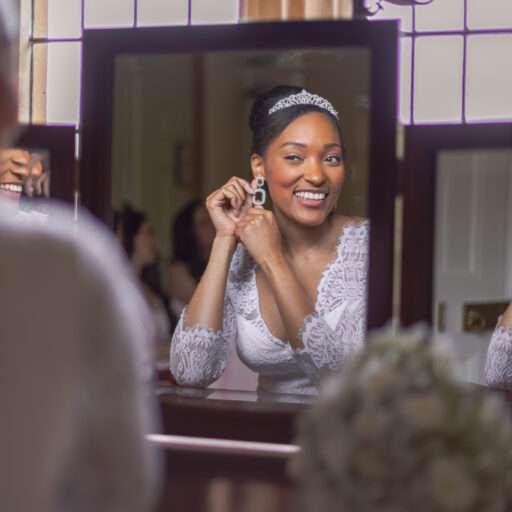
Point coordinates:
[[227, 205], [259, 232]]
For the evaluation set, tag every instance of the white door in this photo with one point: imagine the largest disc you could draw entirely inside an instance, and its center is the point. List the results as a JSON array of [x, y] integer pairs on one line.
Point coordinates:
[[472, 255]]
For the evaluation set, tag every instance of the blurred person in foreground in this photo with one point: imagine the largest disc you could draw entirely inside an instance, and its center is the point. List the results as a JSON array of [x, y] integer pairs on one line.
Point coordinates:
[[74, 404]]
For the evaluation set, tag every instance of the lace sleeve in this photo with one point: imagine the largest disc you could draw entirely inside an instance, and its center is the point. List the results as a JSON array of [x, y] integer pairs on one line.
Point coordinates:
[[498, 368], [327, 349], [199, 354]]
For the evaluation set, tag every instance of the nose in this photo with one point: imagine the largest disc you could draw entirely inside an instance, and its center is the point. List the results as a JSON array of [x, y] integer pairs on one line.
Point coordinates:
[[314, 173]]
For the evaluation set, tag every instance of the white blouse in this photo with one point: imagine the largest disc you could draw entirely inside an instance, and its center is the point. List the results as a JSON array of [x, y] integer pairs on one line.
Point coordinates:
[[330, 335]]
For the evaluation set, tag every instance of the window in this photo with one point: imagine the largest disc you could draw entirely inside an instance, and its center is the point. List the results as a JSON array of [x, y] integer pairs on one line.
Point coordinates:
[[454, 60], [51, 62]]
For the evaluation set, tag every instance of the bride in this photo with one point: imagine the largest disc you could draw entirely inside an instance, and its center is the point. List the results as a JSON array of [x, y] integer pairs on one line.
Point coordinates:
[[287, 285]]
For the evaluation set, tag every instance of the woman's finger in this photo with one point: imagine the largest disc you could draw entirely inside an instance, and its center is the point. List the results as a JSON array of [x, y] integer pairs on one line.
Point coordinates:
[[239, 194], [240, 189], [244, 184]]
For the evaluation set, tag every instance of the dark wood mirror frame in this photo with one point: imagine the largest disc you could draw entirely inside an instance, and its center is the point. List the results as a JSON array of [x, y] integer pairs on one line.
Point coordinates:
[[101, 47], [418, 183], [59, 142]]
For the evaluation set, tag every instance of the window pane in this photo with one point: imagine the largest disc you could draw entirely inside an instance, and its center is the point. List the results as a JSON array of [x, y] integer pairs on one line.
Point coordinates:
[[108, 13], [392, 12], [438, 79], [489, 14], [162, 12], [489, 77], [63, 82], [405, 79], [440, 15], [61, 19], [214, 11]]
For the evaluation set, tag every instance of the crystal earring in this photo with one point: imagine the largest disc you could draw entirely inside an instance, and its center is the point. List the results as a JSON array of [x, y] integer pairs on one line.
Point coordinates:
[[260, 195]]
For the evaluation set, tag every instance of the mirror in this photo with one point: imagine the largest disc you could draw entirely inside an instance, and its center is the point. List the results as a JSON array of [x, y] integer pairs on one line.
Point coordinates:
[[169, 123], [181, 131], [25, 181], [472, 252], [457, 247]]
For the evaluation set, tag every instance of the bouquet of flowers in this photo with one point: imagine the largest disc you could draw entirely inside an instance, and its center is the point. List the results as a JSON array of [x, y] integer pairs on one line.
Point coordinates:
[[394, 432]]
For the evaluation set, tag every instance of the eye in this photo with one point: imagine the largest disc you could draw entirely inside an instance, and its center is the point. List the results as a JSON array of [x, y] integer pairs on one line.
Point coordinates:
[[293, 158], [333, 159]]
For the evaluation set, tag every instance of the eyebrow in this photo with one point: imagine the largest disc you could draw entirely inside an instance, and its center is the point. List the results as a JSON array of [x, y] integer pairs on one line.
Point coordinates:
[[302, 145]]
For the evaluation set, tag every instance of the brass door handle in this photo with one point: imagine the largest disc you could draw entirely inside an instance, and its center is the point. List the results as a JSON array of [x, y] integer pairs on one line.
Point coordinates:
[[475, 321]]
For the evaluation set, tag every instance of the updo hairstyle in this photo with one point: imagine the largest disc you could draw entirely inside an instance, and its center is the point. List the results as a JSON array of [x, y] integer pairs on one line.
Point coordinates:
[[265, 128]]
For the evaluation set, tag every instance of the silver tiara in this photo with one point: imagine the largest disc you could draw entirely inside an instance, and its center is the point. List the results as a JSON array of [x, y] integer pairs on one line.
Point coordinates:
[[304, 98]]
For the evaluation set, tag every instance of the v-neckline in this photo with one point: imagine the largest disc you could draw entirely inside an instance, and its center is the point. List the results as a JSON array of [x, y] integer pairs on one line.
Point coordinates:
[[319, 287]]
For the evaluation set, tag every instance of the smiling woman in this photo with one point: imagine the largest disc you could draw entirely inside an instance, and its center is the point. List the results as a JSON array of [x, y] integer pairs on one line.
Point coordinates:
[[287, 285], [22, 173]]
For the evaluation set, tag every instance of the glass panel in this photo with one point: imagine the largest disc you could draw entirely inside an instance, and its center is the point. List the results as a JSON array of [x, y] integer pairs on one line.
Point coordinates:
[[392, 12], [472, 250], [218, 11], [59, 18], [438, 79], [489, 77], [440, 15], [111, 13], [162, 12], [489, 14], [405, 79], [63, 82]]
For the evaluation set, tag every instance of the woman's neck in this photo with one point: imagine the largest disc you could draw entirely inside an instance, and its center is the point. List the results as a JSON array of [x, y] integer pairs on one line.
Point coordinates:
[[299, 239]]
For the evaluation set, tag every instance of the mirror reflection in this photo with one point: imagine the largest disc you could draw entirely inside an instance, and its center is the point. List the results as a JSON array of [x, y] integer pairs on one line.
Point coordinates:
[[181, 134], [25, 181], [473, 250]]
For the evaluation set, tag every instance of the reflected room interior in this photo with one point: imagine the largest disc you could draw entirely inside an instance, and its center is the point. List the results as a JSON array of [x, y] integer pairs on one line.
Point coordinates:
[[472, 252], [180, 131]]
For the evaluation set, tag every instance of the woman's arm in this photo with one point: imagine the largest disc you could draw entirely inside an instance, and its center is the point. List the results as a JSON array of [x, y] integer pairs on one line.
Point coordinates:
[[498, 367], [200, 345]]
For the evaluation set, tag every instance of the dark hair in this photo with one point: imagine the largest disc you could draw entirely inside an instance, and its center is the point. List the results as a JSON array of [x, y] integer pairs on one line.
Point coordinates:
[[184, 236], [128, 221], [265, 128]]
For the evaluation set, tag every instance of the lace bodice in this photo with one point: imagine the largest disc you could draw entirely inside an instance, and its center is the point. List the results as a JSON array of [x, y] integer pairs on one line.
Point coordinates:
[[498, 368], [330, 335]]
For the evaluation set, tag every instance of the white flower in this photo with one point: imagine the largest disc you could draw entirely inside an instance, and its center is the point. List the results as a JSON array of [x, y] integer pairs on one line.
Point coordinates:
[[423, 411], [370, 465], [371, 423], [450, 485]]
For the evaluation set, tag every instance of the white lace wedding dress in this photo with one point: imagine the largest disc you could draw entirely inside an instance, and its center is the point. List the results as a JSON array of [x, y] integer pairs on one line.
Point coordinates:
[[498, 368], [330, 335]]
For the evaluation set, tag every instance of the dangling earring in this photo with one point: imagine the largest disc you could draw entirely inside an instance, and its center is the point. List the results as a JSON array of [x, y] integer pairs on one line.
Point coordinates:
[[260, 195]]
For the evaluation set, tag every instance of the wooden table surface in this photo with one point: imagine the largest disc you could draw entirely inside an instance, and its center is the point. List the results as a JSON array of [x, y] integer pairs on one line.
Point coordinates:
[[212, 481]]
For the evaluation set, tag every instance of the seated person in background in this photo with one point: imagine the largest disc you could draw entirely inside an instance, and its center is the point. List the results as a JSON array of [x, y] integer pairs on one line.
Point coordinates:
[[74, 405], [498, 368], [287, 285], [138, 240], [192, 237]]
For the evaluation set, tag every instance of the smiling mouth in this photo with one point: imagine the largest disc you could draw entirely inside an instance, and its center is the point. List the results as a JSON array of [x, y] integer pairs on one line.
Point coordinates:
[[311, 199], [11, 190]]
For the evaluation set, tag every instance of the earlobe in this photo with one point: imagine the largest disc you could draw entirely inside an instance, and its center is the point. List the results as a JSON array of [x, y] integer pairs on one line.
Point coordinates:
[[257, 165]]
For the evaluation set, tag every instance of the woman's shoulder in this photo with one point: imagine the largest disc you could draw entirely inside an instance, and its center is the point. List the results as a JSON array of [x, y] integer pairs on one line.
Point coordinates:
[[352, 227]]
